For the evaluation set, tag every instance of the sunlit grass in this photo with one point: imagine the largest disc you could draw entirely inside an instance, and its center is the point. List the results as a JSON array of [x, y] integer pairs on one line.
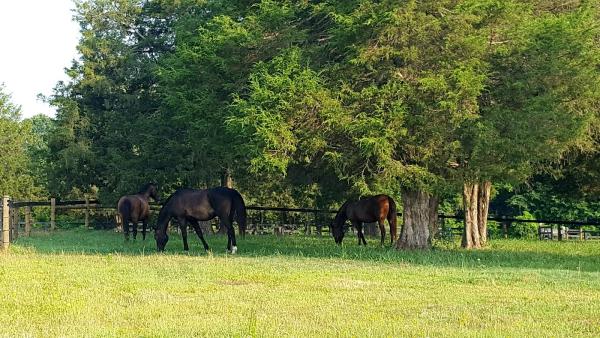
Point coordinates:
[[92, 283]]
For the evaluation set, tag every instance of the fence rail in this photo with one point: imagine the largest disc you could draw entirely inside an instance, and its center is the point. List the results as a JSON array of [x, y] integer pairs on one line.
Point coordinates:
[[284, 225], [74, 204]]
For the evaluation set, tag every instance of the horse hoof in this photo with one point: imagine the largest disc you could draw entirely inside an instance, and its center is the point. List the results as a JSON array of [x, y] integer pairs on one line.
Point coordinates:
[[233, 250]]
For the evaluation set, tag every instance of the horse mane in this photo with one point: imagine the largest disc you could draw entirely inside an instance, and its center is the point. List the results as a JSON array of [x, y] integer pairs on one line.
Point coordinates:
[[341, 212], [164, 211], [162, 220], [169, 198], [145, 187]]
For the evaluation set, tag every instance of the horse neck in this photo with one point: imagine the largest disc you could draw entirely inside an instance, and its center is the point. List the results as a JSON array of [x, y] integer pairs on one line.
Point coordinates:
[[341, 216], [163, 219], [145, 195]]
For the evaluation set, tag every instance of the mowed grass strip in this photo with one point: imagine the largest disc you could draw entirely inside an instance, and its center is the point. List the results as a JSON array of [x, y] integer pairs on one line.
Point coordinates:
[[92, 283]]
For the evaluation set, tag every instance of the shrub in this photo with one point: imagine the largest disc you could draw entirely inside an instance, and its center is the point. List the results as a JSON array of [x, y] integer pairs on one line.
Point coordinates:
[[526, 229]]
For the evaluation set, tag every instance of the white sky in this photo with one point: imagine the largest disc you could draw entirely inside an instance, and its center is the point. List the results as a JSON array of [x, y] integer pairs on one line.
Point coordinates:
[[37, 41]]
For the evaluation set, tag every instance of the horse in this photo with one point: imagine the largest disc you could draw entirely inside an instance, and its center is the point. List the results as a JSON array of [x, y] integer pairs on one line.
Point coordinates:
[[192, 205], [371, 209], [135, 208]]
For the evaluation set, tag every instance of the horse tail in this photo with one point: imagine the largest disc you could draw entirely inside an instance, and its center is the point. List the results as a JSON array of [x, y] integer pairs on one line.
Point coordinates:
[[392, 218], [239, 207], [124, 208]]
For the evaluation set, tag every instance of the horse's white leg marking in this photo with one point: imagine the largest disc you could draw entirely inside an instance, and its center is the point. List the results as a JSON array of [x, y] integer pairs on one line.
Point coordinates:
[[234, 250]]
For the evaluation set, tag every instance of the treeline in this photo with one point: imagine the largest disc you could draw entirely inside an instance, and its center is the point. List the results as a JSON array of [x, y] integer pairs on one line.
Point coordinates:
[[308, 103]]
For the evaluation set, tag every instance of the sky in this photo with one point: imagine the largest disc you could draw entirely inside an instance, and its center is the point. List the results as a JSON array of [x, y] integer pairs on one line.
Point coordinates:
[[38, 41]]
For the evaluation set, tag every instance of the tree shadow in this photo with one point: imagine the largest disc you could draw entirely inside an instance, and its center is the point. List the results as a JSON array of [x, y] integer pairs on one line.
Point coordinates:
[[576, 256]]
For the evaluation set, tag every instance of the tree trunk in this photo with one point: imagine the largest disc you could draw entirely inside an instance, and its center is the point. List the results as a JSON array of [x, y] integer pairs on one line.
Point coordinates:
[[434, 202], [417, 220], [470, 237], [482, 208], [206, 227], [476, 201]]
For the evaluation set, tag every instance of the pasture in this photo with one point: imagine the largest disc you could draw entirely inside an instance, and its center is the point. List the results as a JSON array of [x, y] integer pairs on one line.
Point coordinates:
[[91, 283]]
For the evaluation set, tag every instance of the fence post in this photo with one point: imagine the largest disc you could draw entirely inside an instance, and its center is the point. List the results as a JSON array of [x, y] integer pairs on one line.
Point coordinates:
[[307, 226], [14, 230], [27, 221], [5, 223], [580, 234], [262, 219], [52, 213], [318, 225], [560, 235], [505, 227], [87, 211]]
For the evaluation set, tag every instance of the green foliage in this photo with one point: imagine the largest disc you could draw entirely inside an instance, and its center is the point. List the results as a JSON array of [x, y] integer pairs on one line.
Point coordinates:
[[546, 203], [543, 92], [282, 116], [310, 103], [42, 127], [102, 138], [16, 136], [526, 230]]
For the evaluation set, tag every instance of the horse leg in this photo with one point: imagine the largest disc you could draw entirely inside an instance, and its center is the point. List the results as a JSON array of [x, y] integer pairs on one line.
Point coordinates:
[[144, 225], [134, 223], [198, 230], [125, 221], [231, 244], [361, 236], [232, 230], [231, 235], [382, 230], [183, 226]]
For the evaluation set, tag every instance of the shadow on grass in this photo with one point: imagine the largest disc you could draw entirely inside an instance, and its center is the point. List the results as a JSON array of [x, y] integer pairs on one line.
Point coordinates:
[[579, 256]]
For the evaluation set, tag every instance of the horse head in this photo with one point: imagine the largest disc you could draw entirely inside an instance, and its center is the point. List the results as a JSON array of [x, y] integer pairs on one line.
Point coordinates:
[[161, 238], [337, 226], [151, 190]]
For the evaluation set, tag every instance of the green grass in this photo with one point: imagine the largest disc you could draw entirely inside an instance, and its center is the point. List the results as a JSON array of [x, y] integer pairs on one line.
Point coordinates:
[[92, 283]]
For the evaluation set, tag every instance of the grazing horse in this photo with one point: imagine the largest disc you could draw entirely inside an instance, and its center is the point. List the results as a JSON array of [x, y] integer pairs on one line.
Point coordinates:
[[135, 208], [191, 206], [370, 209]]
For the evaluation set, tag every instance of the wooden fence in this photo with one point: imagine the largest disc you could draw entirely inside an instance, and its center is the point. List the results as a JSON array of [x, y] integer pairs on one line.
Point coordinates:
[[261, 220]]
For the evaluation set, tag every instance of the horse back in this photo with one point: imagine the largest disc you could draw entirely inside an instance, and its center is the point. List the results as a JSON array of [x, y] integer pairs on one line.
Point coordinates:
[[201, 205], [371, 209], [191, 203]]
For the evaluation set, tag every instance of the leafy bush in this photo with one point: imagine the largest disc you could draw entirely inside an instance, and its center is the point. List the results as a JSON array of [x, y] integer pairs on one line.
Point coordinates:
[[494, 230], [525, 229]]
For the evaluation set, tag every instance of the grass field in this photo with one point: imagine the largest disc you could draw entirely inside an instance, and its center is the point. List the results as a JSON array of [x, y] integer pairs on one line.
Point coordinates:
[[91, 283]]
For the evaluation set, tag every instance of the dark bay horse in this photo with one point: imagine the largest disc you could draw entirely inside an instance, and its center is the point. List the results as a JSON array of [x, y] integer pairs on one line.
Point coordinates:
[[189, 206], [135, 208], [371, 209]]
